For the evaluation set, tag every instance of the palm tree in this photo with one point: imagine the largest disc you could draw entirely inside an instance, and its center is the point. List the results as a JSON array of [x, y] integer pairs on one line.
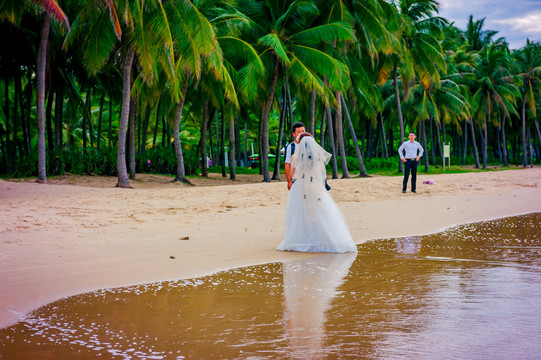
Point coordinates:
[[494, 90], [419, 52], [528, 62], [289, 37], [52, 10]]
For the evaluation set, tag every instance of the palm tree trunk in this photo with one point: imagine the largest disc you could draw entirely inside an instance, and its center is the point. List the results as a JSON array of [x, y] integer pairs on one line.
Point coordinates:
[[222, 145], [264, 155], [157, 124], [281, 118], [504, 143], [524, 149], [48, 120], [465, 148], [41, 68], [313, 113], [123, 125], [204, 121], [289, 103], [340, 136], [181, 172], [423, 133], [58, 111], [384, 143], [432, 147], [10, 160], [438, 141], [475, 153], [144, 130], [110, 129], [362, 169], [322, 129], [232, 157], [399, 110], [25, 115], [330, 129], [131, 137], [484, 135], [538, 139], [100, 119]]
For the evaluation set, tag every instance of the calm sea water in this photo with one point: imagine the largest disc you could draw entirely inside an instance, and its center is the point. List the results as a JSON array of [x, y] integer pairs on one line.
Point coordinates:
[[471, 292]]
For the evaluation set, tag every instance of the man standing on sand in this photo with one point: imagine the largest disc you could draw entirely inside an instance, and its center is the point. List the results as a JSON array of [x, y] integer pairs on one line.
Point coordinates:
[[408, 154], [296, 129]]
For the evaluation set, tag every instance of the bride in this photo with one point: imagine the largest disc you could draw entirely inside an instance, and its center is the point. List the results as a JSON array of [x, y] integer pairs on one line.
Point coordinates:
[[313, 223]]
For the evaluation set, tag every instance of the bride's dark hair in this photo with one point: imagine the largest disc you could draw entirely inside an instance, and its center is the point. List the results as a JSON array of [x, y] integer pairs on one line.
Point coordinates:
[[303, 134]]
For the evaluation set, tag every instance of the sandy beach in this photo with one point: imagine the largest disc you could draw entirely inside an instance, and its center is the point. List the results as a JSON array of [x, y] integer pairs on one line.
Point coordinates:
[[77, 234]]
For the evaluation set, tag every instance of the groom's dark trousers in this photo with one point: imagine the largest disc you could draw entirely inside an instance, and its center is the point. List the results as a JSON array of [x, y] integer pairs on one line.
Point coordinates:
[[411, 164]]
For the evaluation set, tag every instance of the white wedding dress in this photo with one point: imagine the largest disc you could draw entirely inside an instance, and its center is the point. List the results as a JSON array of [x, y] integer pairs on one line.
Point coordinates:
[[313, 222]]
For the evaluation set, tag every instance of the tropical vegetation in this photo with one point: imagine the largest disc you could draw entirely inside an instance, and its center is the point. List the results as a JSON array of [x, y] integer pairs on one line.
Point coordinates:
[[119, 87]]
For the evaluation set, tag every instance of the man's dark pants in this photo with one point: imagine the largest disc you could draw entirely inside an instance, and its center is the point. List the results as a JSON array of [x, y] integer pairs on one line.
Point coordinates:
[[411, 164]]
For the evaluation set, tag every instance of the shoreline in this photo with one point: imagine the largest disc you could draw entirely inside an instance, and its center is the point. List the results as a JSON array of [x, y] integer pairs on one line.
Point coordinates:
[[62, 240]]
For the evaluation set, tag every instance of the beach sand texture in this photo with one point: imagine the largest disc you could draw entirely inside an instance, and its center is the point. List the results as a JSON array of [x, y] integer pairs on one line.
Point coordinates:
[[78, 234]]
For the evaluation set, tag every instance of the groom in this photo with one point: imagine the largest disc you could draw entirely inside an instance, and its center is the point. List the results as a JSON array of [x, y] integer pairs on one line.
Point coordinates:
[[296, 129]]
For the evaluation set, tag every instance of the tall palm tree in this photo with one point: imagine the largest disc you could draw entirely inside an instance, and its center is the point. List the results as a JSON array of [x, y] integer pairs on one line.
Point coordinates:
[[419, 52], [12, 12], [494, 90], [289, 38], [528, 62]]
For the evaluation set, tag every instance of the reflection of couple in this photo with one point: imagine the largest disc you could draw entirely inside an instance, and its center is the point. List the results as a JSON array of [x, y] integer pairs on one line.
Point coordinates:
[[313, 223], [309, 288]]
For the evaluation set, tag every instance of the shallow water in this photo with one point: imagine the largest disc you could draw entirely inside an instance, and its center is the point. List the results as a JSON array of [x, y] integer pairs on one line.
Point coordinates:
[[471, 292]]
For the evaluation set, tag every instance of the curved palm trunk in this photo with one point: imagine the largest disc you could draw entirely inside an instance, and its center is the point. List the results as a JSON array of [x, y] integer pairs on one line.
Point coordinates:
[[276, 173], [399, 110], [232, 145], [204, 170], [41, 67], [181, 172], [362, 169], [330, 129], [524, 148], [131, 139], [340, 136], [475, 153], [122, 172], [264, 156]]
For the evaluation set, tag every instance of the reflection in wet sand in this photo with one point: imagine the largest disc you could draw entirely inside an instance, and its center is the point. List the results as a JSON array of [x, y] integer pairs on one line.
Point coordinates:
[[471, 292], [309, 287]]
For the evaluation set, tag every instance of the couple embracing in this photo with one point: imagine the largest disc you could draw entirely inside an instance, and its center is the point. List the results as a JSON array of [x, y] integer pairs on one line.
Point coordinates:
[[313, 222]]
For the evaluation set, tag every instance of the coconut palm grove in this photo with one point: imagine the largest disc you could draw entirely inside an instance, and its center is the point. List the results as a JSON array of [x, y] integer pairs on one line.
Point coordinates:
[[180, 87]]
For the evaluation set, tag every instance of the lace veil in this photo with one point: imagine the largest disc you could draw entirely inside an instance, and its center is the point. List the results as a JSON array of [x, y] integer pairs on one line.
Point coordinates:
[[309, 162]]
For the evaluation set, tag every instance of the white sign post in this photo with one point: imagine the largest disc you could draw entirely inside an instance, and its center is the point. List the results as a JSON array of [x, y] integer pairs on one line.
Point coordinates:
[[446, 154]]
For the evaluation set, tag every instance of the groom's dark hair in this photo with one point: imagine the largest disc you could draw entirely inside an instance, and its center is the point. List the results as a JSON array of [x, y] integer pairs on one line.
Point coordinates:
[[296, 125]]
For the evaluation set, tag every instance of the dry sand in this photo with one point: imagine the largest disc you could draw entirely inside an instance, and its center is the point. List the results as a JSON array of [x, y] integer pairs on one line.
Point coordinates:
[[77, 234]]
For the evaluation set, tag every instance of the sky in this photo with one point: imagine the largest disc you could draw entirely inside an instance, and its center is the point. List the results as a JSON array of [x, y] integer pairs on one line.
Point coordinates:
[[516, 20]]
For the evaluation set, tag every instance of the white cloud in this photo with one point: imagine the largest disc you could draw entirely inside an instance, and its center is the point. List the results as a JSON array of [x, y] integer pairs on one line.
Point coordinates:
[[530, 23]]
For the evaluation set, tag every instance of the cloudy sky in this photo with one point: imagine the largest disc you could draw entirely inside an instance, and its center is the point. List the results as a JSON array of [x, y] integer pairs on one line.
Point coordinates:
[[516, 20]]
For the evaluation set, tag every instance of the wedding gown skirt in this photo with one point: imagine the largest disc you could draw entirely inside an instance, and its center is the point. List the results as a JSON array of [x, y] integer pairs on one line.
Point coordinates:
[[314, 223]]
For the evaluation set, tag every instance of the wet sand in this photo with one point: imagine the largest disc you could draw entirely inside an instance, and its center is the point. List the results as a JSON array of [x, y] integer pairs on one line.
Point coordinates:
[[470, 292], [62, 239]]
